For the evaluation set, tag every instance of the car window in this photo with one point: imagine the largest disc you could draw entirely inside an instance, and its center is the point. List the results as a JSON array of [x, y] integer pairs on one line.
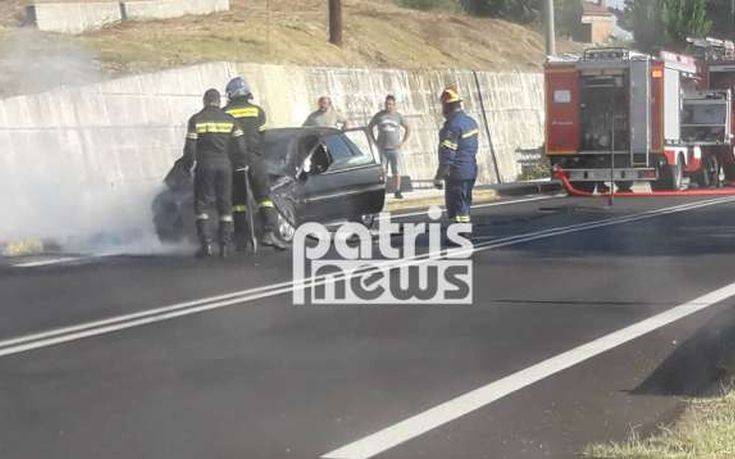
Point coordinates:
[[358, 139], [345, 153], [275, 149]]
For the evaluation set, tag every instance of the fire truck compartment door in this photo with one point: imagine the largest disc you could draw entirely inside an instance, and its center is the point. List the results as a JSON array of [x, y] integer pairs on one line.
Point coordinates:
[[672, 105], [640, 106], [562, 111]]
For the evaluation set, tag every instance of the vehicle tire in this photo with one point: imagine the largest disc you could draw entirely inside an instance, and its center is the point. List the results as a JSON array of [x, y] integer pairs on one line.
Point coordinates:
[[167, 219], [672, 177], [709, 174], [624, 186], [285, 228], [729, 170], [587, 187]]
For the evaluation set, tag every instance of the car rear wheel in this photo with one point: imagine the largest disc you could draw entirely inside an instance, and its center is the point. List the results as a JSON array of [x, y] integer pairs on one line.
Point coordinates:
[[285, 228]]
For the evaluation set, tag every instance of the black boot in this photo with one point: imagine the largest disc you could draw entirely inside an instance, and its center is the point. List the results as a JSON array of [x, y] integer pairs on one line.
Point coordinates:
[[242, 231], [269, 239], [269, 219], [226, 230], [206, 248]]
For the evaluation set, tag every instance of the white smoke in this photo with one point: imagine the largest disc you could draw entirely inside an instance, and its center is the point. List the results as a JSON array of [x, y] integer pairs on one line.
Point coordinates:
[[32, 61], [65, 176]]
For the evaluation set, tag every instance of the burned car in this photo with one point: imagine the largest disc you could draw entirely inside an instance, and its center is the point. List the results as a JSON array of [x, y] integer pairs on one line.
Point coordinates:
[[317, 174]]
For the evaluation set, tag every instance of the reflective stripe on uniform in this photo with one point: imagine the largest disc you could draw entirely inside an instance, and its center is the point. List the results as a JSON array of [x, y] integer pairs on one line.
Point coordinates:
[[226, 218], [192, 135], [462, 219], [471, 133], [202, 217], [266, 203], [449, 144], [214, 128], [239, 208], [247, 112]]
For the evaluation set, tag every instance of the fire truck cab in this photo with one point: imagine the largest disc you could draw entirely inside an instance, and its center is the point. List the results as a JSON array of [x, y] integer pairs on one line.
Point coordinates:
[[616, 115]]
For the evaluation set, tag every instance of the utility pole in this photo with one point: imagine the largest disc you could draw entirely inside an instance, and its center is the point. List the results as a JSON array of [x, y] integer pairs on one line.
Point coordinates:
[[335, 22], [270, 26], [549, 23]]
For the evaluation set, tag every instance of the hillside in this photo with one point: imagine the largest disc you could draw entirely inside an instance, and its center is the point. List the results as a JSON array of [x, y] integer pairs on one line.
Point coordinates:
[[378, 33]]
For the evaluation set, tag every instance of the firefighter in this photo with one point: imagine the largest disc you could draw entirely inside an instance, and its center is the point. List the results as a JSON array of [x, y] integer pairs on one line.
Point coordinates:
[[210, 137], [251, 119], [457, 157]]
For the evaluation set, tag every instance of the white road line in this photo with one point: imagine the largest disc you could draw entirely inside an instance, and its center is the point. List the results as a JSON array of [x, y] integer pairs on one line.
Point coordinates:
[[50, 261], [117, 323], [453, 409]]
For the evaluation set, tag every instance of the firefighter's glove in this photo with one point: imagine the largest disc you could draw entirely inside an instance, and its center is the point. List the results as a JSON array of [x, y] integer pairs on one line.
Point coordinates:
[[441, 174]]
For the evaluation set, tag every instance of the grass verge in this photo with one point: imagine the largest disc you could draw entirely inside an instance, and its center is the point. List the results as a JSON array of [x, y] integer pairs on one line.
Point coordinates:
[[706, 430]]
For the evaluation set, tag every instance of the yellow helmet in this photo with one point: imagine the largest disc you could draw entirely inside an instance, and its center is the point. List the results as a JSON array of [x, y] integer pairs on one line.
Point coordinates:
[[450, 95]]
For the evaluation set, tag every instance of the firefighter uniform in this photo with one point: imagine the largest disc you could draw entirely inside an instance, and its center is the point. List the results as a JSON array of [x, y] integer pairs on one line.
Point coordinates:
[[251, 119], [212, 138], [458, 144]]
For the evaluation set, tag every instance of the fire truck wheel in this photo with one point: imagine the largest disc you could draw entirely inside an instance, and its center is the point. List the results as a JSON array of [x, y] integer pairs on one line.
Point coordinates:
[[671, 177], [624, 186], [709, 174], [729, 170]]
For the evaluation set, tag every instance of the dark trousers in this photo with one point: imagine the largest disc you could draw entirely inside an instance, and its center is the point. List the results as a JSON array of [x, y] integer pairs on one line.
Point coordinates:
[[260, 185], [213, 190], [458, 199]]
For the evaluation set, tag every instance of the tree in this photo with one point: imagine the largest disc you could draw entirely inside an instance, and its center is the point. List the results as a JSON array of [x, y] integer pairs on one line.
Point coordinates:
[[666, 23], [646, 19], [523, 11], [568, 16], [685, 18], [722, 15]]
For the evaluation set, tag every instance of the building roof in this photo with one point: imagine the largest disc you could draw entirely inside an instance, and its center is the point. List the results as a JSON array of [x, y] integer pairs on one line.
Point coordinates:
[[594, 9]]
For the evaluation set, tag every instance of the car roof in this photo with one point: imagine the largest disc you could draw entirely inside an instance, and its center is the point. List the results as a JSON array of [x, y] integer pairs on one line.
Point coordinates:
[[298, 131]]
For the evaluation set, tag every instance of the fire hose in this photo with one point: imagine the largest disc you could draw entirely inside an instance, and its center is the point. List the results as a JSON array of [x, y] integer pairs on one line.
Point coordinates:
[[561, 175]]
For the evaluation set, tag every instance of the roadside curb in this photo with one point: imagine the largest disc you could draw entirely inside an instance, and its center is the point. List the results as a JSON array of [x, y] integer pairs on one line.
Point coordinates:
[[479, 196], [525, 188]]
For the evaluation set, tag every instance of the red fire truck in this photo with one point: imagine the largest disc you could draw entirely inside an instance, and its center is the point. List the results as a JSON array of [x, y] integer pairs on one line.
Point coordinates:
[[616, 115]]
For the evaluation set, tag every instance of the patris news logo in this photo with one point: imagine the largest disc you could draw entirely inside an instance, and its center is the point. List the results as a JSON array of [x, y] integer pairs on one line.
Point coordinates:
[[355, 266]]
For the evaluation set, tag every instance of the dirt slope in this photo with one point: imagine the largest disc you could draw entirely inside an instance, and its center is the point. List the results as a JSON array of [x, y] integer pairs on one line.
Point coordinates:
[[377, 33]]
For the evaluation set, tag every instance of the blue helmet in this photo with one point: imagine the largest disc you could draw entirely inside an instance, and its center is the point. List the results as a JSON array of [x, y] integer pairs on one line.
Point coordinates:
[[237, 87]]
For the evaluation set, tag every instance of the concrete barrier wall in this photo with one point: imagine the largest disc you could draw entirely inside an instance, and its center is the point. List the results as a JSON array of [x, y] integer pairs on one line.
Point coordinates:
[[163, 9], [73, 18], [95, 155]]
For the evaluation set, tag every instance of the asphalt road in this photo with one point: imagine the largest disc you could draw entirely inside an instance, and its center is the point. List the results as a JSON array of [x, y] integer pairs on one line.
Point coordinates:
[[250, 375]]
